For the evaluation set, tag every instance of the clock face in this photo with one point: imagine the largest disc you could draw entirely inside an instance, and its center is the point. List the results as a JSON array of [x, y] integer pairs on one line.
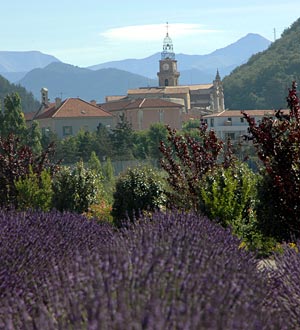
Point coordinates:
[[165, 66]]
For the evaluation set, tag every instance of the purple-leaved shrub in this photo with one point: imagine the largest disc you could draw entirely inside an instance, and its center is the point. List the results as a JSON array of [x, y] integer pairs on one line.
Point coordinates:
[[170, 271]]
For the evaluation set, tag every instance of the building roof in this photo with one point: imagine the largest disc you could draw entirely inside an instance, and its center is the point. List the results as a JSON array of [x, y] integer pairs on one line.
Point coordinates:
[[159, 90], [197, 87], [238, 113], [181, 89], [142, 103], [72, 108]]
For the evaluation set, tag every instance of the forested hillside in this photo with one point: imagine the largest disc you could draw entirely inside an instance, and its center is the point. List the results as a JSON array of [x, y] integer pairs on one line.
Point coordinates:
[[262, 82], [29, 103]]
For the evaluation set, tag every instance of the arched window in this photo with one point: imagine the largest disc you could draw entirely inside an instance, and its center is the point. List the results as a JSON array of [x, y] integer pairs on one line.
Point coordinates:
[[166, 82]]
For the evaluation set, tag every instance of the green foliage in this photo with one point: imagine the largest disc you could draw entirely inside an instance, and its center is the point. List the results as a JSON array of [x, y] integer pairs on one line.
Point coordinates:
[[29, 103], [12, 120], [94, 164], [229, 194], [75, 190], [103, 142], [261, 83], [141, 144], [34, 138], [108, 171], [68, 150], [137, 190], [34, 192], [84, 142], [122, 140], [156, 133]]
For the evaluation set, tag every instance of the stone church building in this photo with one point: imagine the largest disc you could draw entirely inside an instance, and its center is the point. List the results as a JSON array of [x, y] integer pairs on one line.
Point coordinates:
[[168, 103]]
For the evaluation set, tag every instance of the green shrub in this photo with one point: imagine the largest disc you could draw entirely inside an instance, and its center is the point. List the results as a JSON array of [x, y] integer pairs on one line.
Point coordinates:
[[75, 190], [34, 191], [137, 190], [229, 194]]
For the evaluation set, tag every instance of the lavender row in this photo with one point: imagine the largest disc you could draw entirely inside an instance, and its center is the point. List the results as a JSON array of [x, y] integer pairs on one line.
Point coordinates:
[[173, 271]]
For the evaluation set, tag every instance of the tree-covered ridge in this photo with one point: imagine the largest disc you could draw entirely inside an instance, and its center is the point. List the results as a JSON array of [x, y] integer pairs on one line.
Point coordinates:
[[29, 103], [263, 81]]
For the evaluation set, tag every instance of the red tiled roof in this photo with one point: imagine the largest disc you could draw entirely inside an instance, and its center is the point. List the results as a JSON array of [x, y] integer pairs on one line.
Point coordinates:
[[115, 105], [73, 107], [139, 103]]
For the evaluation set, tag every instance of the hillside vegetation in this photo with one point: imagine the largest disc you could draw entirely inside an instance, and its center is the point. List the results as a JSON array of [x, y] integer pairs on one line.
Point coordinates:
[[262, 82], [29, 103]]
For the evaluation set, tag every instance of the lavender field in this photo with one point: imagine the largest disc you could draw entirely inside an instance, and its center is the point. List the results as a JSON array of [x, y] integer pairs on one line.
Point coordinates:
[[173, 271]]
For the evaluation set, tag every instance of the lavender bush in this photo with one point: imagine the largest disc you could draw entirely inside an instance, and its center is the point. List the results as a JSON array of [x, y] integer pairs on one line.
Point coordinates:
[[173, 271], [286, 283]]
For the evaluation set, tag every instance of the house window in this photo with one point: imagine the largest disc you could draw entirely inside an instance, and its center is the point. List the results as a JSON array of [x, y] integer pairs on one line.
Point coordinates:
[[229, 135], [229, 119], [211, 122], [166, 82], [67, 130], [242, 119], [45, 131]]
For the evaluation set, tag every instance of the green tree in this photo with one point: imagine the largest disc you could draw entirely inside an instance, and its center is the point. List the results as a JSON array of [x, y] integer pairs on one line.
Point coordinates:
[[229, 194], [103, 145], [29, 103], [75, 190], [137, 190], [157, 133], [67, 150], [35, 192], [94, 164], [141, 144], [122, 138], [12, 120], [84, 141], [34, 138]]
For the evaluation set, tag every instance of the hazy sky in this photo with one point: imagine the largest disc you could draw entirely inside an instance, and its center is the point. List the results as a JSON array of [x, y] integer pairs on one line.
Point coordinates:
[[90, 32]]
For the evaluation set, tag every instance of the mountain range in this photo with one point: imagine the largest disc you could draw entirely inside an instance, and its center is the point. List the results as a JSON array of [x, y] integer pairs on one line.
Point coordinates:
[[115, 78], [15, 65], [201, 67]]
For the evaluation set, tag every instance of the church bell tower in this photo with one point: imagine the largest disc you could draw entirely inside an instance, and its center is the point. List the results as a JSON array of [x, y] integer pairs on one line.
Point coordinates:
[[168, 74]]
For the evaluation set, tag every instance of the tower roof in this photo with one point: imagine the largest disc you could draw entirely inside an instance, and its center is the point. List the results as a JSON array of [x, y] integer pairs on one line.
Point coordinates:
[[168, 52]]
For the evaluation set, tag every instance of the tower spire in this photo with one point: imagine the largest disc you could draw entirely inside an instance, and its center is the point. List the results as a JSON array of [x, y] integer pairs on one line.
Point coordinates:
[[167, 46]]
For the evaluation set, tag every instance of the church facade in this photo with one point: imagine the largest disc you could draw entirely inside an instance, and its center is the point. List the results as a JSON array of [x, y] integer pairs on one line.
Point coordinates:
[[193, 101]]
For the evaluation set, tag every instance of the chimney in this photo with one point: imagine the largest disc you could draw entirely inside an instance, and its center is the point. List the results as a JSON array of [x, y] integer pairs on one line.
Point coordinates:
[[93, 102], [57, 102], [44, 96]]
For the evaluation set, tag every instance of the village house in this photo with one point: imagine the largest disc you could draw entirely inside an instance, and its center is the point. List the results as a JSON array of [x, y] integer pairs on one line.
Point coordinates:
[[232, 124], [68, 117]]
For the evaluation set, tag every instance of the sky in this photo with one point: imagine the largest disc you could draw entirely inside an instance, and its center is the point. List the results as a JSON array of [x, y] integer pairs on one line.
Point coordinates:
[[90, 32]]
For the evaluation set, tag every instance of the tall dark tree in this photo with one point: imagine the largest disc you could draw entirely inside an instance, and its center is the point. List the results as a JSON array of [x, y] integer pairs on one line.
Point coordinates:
[[12, 120], [157, 133], [122, 138]]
